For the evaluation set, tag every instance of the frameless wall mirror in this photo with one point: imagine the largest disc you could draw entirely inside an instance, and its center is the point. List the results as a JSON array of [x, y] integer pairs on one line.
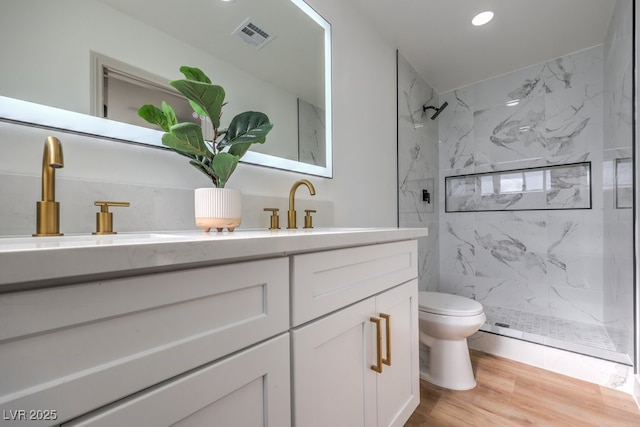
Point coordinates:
[[270, 55]]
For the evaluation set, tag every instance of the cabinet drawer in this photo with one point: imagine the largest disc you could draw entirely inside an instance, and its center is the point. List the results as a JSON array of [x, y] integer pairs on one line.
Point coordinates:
[[323, 282], [248, 389], [103, 340]]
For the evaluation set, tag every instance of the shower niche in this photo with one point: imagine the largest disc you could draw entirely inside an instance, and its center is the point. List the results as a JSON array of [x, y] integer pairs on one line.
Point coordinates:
[[549, 187]]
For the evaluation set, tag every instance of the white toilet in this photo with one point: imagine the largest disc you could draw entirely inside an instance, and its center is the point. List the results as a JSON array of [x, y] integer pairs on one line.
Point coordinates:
[[445, 323]]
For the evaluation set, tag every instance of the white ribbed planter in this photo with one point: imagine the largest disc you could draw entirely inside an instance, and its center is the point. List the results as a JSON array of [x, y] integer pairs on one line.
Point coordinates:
[[218, 208]]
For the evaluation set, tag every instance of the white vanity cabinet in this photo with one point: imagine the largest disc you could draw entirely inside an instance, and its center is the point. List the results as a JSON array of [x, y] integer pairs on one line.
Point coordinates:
[[235, 329], [333, 380]]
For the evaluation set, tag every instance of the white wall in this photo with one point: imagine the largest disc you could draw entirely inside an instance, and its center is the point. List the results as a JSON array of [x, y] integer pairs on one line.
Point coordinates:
[[363, 190], [364, 119]]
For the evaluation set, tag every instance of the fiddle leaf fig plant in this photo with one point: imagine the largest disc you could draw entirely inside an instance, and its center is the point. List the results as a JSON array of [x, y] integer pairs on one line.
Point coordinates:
[[219, 157]]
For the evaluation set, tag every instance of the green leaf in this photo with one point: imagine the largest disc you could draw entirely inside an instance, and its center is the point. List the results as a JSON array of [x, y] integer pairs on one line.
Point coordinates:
[[170, 115], [155, 116], [250, 127], [193, 73], [205, 98], [186, 138], [223, 165], [240, 149]]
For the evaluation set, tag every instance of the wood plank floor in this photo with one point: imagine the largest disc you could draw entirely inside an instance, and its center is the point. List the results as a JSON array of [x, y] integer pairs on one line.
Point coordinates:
[[514, 394]]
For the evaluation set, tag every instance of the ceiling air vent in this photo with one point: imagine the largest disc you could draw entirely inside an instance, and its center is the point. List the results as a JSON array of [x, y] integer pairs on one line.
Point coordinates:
[[253, 34]]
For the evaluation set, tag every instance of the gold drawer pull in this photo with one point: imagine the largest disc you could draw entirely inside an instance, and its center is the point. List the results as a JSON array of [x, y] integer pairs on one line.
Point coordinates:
[[387, 317], [378, 367]]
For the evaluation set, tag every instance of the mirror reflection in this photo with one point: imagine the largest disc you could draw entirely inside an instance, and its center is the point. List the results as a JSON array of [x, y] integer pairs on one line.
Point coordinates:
[[269, 55]]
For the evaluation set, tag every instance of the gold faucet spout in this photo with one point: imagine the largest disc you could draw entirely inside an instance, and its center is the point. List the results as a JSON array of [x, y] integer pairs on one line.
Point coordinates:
[[48, 210], [291, 217], [51, 160]]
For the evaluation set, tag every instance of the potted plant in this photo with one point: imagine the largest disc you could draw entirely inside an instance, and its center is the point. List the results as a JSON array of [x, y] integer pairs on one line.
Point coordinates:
[[215, 207]]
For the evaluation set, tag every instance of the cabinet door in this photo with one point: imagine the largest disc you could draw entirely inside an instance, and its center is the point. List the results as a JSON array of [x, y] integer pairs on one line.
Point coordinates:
[[251, 388], [333, 384], [398, 385]]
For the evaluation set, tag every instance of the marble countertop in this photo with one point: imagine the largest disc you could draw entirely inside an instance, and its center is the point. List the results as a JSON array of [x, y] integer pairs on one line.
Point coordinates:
[[27, 262]]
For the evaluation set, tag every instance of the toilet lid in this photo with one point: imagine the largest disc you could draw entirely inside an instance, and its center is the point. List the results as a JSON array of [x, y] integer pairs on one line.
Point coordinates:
[[448, 304]]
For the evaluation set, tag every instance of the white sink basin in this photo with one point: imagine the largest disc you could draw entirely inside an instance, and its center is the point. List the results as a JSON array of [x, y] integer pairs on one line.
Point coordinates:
[[30, 243]]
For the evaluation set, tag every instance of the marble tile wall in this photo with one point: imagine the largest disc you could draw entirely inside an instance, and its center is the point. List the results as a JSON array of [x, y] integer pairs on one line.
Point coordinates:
[[544, 262], [311, 134], [418, 167], [618, 137]]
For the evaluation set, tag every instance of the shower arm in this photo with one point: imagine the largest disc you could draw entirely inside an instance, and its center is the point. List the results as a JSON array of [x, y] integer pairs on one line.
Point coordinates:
[[437, 110]]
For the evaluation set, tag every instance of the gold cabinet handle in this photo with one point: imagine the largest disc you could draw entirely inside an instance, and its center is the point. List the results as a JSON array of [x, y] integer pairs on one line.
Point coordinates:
[[387, 317], [378, 366]]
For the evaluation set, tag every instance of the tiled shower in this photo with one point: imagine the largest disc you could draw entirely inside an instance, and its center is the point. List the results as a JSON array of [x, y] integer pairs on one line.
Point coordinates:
[[524, 182]]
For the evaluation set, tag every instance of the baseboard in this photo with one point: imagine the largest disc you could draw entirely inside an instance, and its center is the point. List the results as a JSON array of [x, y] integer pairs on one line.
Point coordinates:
[[586, 368]]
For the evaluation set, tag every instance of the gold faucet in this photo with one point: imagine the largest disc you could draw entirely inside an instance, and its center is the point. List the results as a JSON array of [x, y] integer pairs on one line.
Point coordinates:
[[291, 219], [48, 210]]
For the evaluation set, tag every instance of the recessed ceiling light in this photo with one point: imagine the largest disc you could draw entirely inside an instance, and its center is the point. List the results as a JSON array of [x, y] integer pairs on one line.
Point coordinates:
[[513, 102], [482, 18]]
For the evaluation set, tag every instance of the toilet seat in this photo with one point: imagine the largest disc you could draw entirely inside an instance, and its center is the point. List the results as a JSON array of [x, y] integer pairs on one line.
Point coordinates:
[[447, 304]]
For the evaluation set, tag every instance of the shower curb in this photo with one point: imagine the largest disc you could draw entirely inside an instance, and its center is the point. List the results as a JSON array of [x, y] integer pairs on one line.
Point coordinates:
[[591, 369]]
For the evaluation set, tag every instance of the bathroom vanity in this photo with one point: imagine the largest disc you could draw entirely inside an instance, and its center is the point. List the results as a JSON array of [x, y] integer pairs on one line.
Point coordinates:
[[288, 327]]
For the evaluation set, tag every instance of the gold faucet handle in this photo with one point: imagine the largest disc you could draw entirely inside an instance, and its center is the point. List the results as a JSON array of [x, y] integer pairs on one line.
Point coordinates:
[[104, 206], [308, 219], [274, 220], [104, 218]]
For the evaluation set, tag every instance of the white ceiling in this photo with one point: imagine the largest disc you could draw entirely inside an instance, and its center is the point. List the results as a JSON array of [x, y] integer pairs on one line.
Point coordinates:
[[436, 36]]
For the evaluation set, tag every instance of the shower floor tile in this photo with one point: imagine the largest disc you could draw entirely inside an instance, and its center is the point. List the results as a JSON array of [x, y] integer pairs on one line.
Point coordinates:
[[579, 333]]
